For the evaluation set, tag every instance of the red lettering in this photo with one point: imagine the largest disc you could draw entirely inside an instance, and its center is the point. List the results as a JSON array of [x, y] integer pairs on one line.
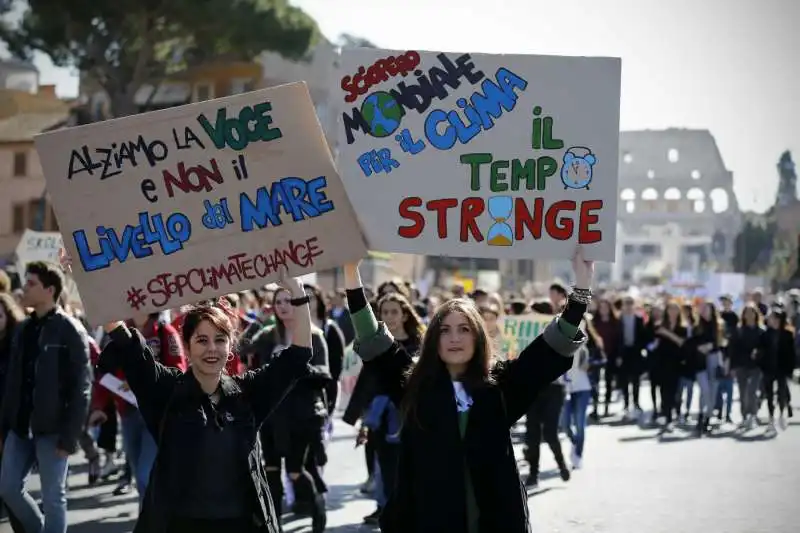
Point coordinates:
[[559, 229], [471, 208], [365, 78], [203, 178], [589, 217], [441, 206], [418, 221], [523, 219]]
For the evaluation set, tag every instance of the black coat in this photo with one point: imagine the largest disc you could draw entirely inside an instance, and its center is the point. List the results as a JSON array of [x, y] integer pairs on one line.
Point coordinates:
[[168, 398], [430, 494]]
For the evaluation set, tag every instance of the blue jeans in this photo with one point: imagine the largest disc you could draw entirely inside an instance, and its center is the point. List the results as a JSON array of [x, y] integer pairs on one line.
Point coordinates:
[[577, 405], [19, 454], [140, 448], [685, 384], [725, 390]]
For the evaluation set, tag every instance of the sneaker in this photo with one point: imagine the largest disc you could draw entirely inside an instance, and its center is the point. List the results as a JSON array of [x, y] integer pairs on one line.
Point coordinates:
[[577, 461], [124, 487], [94, 471], [782, 423], [564, 472]]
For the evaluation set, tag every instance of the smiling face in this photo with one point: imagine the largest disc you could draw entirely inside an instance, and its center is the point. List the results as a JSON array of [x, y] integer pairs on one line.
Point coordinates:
[[208, 349]]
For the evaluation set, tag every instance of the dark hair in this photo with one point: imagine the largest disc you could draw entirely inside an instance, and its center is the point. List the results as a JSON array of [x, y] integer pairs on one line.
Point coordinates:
[[752, 308], [430, 365], [543, 307], [216, 316], [320, 311], [559, 288], [412, 323], [517, 307], [387, 287], [49, 276]]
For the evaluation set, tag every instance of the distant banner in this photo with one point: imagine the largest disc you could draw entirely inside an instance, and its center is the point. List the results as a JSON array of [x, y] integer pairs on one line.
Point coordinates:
[[520, 330], [43, 246], [194, 202]]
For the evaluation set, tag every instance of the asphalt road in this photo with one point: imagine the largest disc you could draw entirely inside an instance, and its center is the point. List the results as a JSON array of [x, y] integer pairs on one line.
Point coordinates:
[[631, 481]]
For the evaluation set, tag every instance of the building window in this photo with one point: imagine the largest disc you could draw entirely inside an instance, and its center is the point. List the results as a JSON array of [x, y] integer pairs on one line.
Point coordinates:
[[20, 164], [19, 224], [241, 85], [673, 155], [203, 91], [33, 215]]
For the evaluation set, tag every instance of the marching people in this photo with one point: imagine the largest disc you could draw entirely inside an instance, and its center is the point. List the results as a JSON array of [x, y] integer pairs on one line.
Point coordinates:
[[777, 363], [452, 400], [208, 474], [45, 402]]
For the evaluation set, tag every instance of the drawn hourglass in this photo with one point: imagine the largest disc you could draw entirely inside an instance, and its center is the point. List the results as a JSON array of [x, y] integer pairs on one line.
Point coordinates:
[[500, 234]]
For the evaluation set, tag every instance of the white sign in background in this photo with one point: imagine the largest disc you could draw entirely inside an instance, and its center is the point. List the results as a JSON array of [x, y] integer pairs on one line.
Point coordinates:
[[536, 128]]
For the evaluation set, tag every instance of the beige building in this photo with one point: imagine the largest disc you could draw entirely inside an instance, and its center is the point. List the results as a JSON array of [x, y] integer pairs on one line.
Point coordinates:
[[23, 201]]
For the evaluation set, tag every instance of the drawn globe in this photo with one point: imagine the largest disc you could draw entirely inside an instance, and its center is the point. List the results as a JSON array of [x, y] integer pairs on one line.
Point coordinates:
[[382, 113]]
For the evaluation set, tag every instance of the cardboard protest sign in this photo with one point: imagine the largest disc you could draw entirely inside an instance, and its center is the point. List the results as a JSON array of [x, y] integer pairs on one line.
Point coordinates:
[[519, 331], [175, 206], [499, 156], [43, 246]]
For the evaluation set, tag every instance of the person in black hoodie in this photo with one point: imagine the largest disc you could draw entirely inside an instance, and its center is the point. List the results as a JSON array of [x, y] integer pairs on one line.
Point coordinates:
[[777, 364], [743, 349], [670, 333], [456, 468], [295, 429], [208, 476]]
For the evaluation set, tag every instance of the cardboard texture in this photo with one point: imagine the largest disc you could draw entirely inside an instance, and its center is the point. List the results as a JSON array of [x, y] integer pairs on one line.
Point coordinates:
[[177, 206]]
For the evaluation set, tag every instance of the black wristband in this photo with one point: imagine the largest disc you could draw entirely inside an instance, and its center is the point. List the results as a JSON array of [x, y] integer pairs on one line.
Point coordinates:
[[297, 302], [356, 300]]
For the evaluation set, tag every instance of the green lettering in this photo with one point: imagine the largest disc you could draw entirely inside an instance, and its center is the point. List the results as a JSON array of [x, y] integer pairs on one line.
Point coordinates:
[[215, 133], [475, 161], [264, 120], [549, 143], [523, 171], [546, 166], [497, 178]]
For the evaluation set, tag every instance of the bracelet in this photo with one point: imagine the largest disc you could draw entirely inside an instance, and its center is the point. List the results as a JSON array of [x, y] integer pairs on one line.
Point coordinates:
[[583, 296], [297, 302]]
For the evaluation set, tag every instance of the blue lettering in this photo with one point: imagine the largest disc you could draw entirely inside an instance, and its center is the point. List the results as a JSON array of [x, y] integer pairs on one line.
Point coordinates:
[[509, 81], [447, 138], [134, 240], [297, 197], [465, 133]]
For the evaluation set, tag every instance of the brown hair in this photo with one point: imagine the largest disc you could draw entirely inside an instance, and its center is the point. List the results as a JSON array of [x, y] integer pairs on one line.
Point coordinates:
[[412, 323], [216, 316], [429, 365], [49, 276], [14, 316], [753, 308]]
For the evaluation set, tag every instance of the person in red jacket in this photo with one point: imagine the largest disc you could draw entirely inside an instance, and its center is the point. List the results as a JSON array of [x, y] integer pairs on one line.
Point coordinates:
[[139, 445]]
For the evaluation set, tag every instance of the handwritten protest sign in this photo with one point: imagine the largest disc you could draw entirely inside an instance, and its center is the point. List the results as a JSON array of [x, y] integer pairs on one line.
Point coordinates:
[[477, 155], [43, 246], [194, 202], [519, 331]]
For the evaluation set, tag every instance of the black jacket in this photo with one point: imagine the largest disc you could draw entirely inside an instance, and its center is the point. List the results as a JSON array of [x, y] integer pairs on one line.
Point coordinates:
[[167, 398], [430, 495], [63, 380]]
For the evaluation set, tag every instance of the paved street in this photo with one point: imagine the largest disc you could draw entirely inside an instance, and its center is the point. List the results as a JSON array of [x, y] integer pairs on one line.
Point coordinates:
[[631, 482]]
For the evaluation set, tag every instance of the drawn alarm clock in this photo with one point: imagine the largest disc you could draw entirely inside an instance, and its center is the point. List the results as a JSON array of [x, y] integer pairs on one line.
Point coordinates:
[[577, 171]]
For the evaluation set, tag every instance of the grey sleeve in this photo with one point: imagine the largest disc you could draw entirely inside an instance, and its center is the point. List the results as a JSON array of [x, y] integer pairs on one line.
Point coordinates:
[[375, 345], [561, 342]]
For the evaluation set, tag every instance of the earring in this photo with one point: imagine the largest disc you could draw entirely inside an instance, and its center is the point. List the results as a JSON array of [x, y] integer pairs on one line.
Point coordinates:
[[230, 357]]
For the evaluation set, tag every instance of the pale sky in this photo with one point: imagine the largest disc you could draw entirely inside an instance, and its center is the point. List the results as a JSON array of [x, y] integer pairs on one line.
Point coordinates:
[[729, 66]]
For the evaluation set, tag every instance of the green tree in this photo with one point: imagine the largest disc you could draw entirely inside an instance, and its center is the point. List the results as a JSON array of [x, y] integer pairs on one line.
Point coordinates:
[[123, 44]]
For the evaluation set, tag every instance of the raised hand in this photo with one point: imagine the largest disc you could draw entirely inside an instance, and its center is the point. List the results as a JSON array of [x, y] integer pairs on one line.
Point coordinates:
[[583, 269], [292, 284], [65, 260]]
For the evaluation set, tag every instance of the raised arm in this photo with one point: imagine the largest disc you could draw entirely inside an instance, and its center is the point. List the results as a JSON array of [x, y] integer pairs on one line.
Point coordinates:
[[550, 355], [268, 385], [384, 358], [150, 381]]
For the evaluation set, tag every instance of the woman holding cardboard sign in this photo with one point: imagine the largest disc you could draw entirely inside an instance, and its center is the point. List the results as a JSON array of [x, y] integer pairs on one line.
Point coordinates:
[[208, 475], [457, 472]]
